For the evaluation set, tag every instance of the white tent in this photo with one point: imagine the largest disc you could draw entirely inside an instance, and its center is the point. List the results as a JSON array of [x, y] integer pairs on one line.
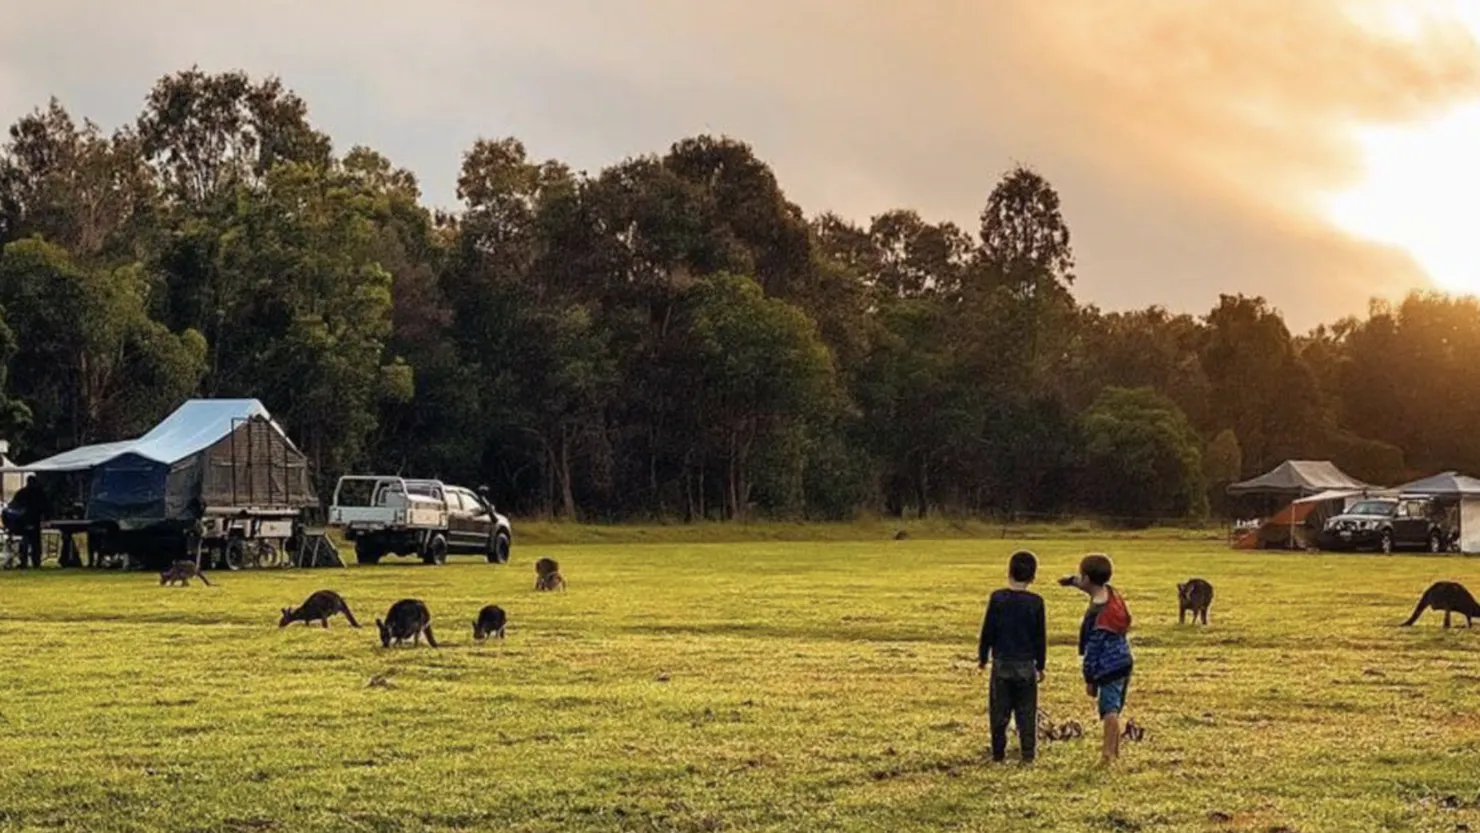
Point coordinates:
[[193, 426], [1461, 488]]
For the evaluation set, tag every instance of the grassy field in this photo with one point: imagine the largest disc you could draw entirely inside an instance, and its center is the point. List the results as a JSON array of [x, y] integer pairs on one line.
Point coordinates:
[[766, 686]]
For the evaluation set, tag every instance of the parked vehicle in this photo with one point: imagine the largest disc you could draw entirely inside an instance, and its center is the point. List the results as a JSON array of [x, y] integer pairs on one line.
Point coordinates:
[[384, 515], [1388, 525]]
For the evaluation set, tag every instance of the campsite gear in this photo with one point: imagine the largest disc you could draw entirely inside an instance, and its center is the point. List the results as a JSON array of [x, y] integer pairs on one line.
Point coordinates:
[[1295, 498], [218, 470]]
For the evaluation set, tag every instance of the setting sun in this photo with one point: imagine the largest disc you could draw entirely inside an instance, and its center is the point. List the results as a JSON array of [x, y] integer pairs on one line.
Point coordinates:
[[1420, 188], [1419, 194]]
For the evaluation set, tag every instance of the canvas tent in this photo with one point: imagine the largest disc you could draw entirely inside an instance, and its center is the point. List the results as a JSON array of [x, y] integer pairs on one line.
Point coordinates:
[[1309, 492], [212, 455], [1299, 478], [1459, 489]]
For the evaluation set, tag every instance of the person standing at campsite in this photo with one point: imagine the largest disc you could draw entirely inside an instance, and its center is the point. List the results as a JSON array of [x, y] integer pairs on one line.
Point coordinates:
[[30, 508], [1102, 642], [1014, 639]]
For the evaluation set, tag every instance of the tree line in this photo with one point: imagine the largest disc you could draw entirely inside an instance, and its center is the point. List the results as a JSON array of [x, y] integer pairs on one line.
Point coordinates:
[[667, 337]]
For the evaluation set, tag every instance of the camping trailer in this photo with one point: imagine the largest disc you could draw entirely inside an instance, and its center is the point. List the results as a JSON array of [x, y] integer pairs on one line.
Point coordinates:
[[220, 473]]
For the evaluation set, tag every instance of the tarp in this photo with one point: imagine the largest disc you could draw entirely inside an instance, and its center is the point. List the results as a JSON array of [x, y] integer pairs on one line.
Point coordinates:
[[1299, 478], [1286, 530], [1446, 484], [193, 427]]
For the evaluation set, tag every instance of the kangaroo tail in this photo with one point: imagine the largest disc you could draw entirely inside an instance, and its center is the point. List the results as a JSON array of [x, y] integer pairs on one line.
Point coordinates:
[[431, 640], [1423, 604], [203, 580], [349, 616]]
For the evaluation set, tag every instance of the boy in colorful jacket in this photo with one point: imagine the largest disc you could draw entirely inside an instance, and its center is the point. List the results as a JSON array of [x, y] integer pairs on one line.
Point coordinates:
[[1102, 643]]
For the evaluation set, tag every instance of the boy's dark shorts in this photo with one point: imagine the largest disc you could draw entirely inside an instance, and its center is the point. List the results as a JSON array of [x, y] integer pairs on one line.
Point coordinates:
[[1111, 696]]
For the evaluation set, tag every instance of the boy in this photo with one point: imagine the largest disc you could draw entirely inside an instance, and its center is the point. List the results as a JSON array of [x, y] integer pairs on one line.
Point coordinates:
[[1102, 643], [1014, 639]]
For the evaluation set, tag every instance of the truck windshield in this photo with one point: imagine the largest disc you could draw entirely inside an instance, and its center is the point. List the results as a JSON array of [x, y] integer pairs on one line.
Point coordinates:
[[1381, 508]]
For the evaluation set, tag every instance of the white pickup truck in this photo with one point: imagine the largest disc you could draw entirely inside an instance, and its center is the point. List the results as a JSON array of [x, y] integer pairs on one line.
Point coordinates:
[[385, 515]]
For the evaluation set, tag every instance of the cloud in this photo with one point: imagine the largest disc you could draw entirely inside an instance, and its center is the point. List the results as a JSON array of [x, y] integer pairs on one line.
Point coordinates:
[[1190, 139]]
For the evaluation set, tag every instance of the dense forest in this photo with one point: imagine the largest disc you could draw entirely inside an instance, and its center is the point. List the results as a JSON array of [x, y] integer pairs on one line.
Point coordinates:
[[668, 337]]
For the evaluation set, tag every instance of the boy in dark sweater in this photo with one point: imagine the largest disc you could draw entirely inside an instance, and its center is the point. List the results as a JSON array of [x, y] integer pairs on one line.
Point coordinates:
[[1014, 639]]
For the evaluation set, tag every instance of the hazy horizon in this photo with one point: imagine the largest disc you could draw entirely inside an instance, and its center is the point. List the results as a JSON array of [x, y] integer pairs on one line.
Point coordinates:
[[1199, 147]]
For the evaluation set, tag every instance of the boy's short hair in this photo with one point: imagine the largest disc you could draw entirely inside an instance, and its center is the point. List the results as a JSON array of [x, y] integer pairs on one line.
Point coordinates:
[[1097, 568], [1022, 566]]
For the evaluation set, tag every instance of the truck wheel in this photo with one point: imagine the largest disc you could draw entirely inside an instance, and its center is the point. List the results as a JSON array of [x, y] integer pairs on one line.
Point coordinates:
[[1436, 542], [367, 553], [1387, 542], [498, 552], [235, 554], [436, 552]]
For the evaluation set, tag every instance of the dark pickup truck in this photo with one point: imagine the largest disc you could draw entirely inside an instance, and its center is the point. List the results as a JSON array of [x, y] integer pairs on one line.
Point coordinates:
[[1388, 525]]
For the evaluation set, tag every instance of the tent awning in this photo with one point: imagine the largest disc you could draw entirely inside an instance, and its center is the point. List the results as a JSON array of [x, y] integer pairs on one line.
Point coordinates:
[[1299, 478], [1344, 494], [192, 427], [1445, 484]]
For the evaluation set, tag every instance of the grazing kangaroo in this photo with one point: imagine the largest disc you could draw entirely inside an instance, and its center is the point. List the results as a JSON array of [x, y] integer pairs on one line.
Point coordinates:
[[1450, 597], [320, 606], [490, 622], [547, 575], [182, 572], [407, 619], [1196, 595]]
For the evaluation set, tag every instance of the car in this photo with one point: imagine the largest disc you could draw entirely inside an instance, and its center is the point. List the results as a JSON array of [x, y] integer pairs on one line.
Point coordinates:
[[387, 515], [1388, 525]]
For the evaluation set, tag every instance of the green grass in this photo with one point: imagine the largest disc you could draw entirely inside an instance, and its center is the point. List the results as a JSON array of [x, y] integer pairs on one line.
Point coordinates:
[[936, 528], [767, 686]]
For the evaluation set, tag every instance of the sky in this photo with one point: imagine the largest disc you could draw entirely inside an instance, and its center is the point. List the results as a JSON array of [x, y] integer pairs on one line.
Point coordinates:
[[1314, 152]]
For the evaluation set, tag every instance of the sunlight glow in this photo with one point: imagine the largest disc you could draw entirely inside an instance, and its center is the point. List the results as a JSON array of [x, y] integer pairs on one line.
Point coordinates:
[[1421, 189]]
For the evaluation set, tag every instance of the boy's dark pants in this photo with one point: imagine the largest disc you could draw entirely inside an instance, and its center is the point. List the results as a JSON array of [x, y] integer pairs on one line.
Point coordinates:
[[1013, 695]]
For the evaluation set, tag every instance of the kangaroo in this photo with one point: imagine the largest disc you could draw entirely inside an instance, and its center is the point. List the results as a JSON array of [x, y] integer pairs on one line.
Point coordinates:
[[407, 619], [547, 575], [1196, 595], [490, 622], [183, 572], [321, 605], [1450, 597]]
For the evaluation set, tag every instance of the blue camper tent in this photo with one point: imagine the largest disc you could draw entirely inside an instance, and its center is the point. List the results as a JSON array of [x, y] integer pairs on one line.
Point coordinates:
[[210, 454], [220, 470]]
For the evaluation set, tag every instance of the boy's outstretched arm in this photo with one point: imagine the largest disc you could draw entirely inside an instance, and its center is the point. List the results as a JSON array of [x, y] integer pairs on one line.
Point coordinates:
[[1075, 582]]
